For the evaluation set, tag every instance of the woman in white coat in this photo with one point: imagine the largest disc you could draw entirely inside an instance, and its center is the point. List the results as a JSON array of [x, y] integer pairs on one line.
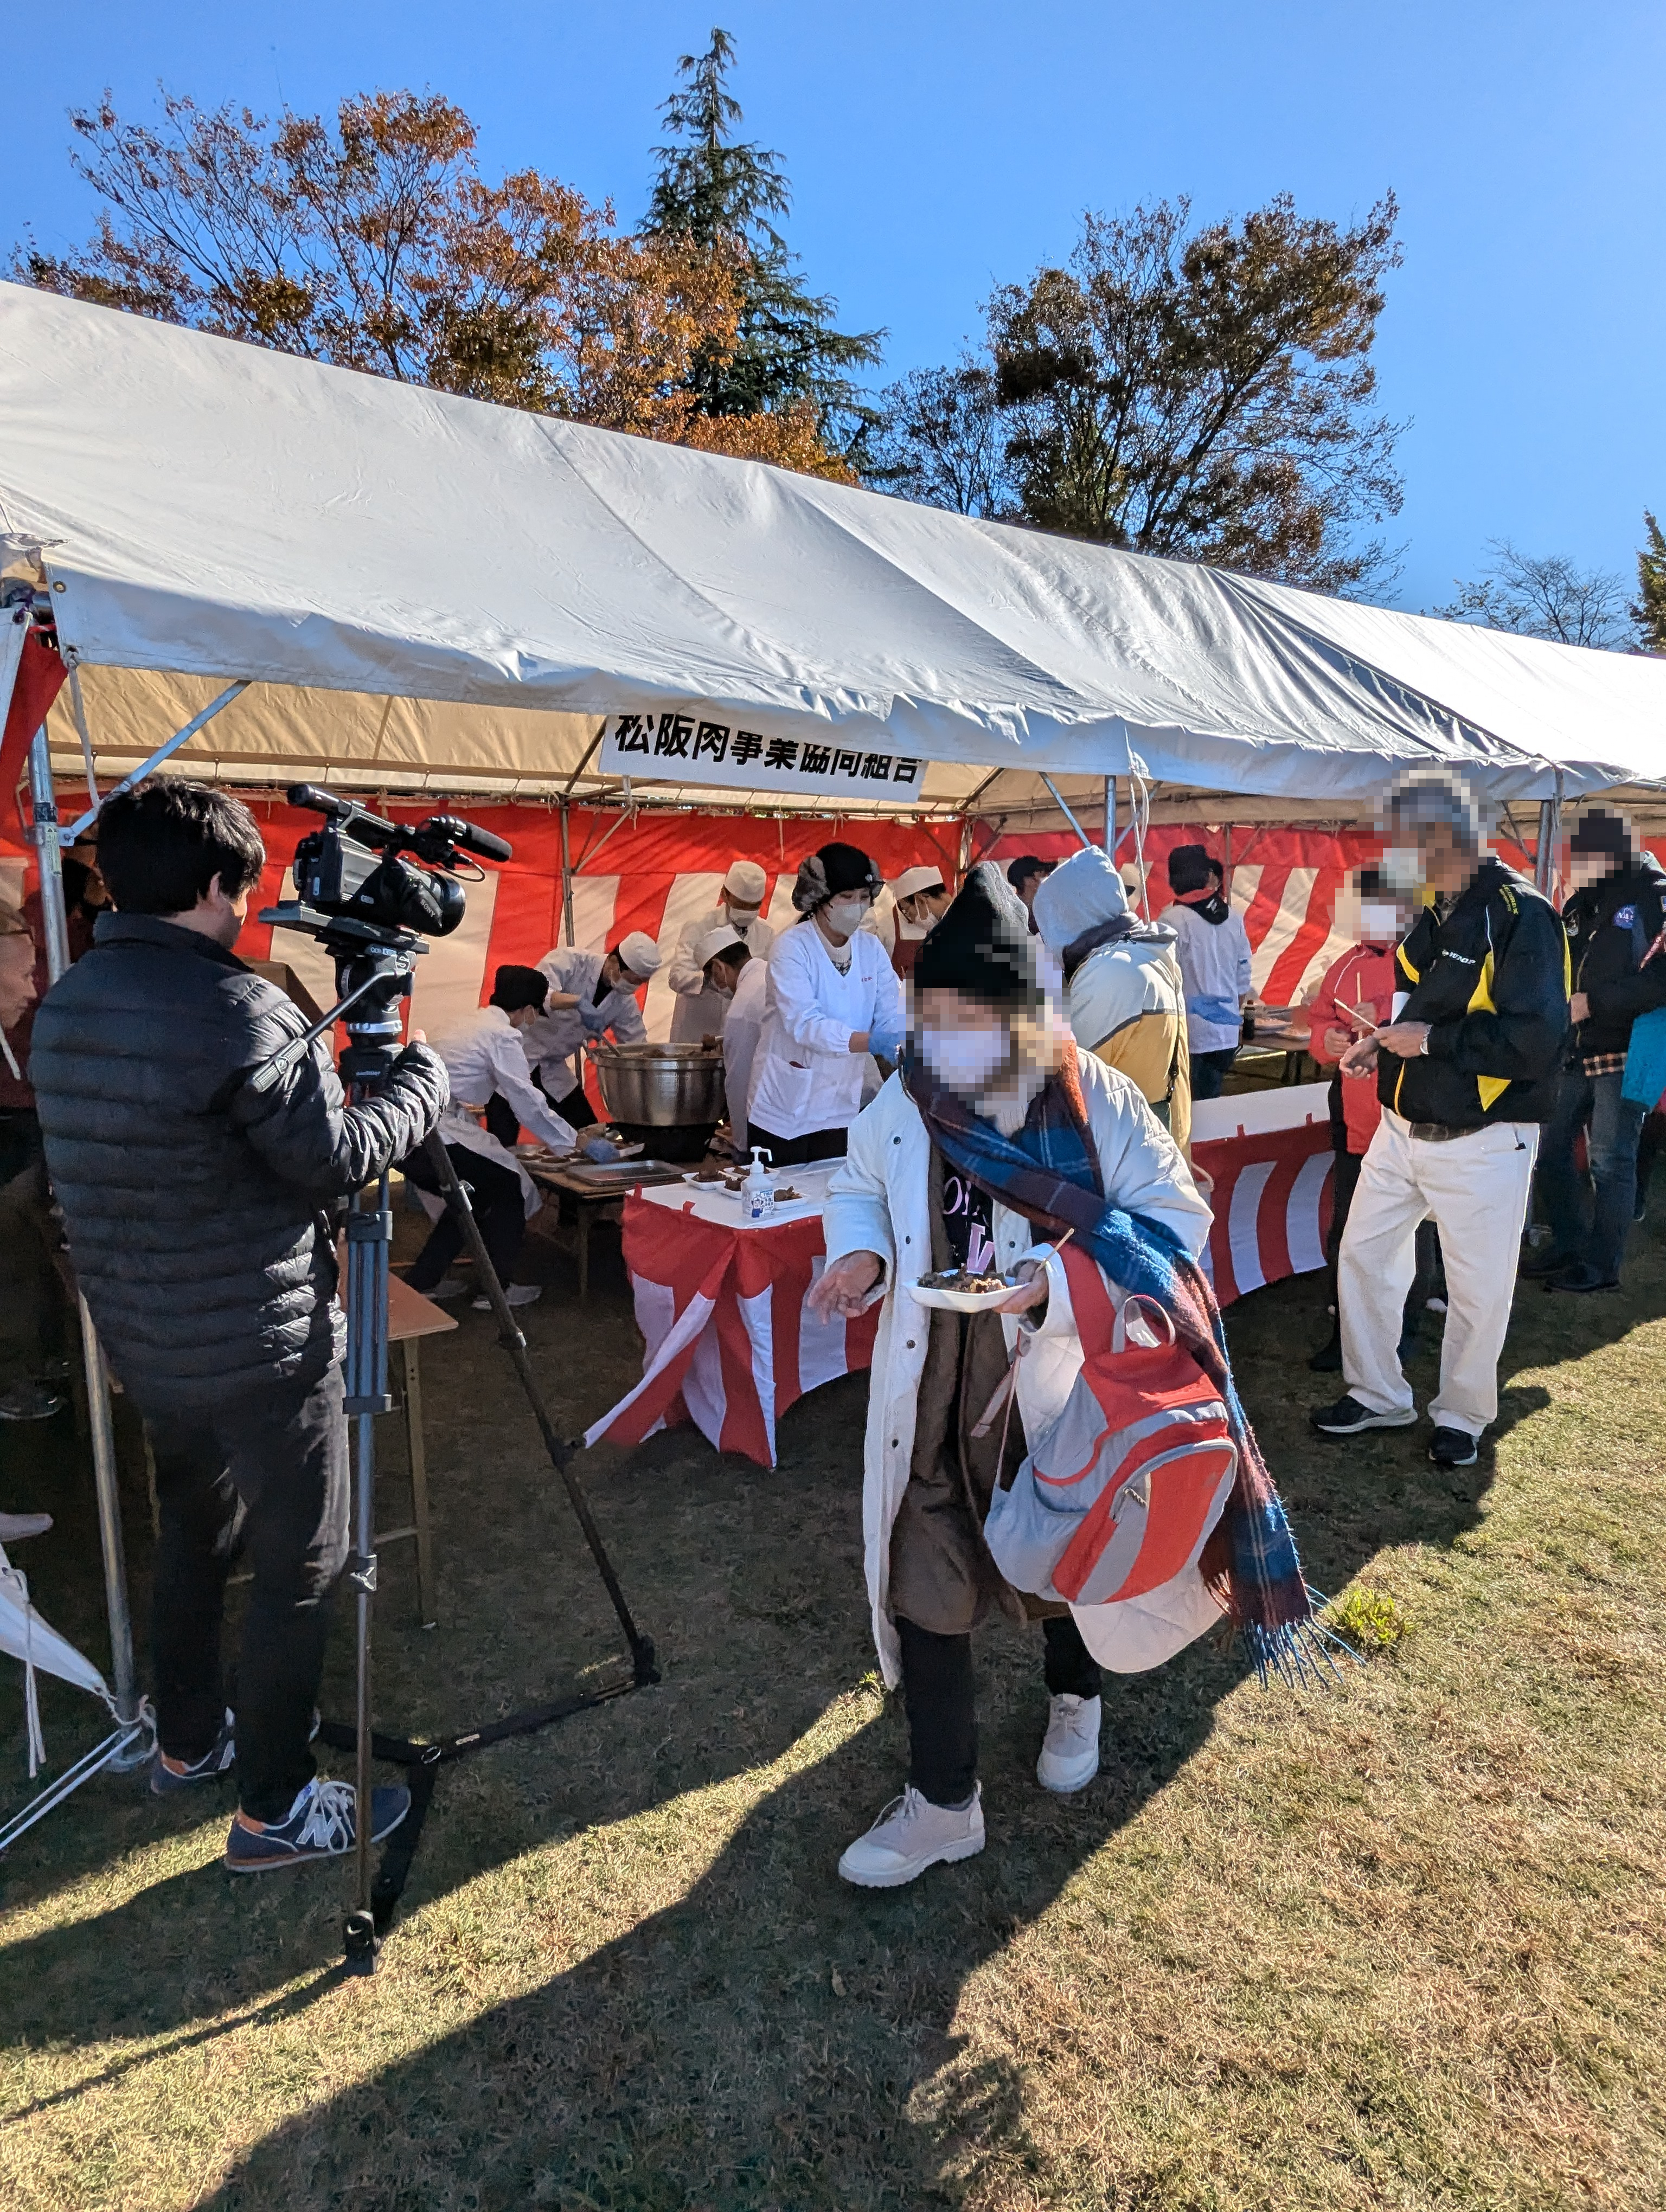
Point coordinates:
[[984, 1031], [832, 1000]]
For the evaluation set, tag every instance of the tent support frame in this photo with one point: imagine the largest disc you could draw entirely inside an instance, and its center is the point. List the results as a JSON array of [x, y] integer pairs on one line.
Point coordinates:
[[145, 768], [1550, 837]]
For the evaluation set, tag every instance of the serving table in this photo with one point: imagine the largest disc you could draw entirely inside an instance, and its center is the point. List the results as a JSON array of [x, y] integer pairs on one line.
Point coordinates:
[[729, 1345]]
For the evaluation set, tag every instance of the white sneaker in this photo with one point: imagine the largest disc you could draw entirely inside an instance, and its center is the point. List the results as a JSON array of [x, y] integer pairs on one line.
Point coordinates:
[[1070, 1754], [448, 1287], [515, 1294], [910, 1835]]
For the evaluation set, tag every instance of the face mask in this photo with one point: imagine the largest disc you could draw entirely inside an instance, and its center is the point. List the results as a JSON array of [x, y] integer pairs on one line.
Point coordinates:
[[1402, 867], [964, 1058], [1379, 923], [742, 916], [845, 914]]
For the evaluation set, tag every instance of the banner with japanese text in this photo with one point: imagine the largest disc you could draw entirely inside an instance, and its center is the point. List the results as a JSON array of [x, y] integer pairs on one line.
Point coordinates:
[[703, 745]]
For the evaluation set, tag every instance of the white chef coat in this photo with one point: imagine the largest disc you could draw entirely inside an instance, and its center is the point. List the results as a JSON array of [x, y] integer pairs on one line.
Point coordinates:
[[1214, 961], [483, 1055], [804, 1077], [699, 1011], [551, 1042], [740, 1036]]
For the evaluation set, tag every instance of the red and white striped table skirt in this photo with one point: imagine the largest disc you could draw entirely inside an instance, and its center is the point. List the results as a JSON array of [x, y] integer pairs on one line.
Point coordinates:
[[729, 1345]]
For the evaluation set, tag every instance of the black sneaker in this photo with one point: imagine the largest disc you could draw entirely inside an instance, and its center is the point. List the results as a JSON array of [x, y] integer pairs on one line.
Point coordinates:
[[1533, 1266], [1452, 1448], [1581, 1279], [1347, 1417], [1328, 1359], [320, 1826]]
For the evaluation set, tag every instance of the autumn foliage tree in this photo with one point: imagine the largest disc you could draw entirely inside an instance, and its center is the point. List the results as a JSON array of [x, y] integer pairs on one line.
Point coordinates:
[[1206, 393], [376, 244]]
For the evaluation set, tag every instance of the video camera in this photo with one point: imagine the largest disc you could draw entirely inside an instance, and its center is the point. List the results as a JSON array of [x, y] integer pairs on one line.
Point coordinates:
[[370, 909], [354, 869]]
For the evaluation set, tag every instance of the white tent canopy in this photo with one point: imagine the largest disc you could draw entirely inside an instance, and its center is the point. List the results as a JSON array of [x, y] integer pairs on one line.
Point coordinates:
[[213, 511]]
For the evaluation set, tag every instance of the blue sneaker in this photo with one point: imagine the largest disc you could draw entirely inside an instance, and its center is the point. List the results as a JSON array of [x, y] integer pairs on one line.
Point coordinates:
[[320, 1826], [168, 1775]]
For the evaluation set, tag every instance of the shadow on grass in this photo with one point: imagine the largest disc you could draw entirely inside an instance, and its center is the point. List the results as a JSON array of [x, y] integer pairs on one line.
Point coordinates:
[[760, 2042]]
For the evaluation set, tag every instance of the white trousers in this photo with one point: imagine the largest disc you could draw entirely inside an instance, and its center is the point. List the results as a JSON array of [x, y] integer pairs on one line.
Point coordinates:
[[1476, 1189]]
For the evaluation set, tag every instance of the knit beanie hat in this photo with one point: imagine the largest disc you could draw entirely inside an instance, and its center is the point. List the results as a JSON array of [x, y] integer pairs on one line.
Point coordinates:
[[1599, 831], [833, 869], [982, 945], [1189, 869]]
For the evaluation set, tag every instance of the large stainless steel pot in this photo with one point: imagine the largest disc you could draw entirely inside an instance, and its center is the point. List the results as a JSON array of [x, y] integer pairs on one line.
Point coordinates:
[[661, 1087]]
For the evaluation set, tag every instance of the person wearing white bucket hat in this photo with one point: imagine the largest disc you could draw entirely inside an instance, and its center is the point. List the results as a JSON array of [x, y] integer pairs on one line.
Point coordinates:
[[922, 900], [738, 978], [698, 1010], [592, 995]]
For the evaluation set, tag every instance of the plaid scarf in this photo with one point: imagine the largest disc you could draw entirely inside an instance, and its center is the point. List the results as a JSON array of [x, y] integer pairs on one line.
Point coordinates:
[[1049, 1173]]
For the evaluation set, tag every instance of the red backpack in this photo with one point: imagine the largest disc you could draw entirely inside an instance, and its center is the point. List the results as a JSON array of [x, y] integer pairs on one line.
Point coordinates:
[[1119, 1496]]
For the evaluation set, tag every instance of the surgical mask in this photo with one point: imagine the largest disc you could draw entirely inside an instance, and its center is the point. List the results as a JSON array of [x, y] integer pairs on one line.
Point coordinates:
[[964, 1058], [845, 914], [1402, 867], [742, 916], [1379, 923]]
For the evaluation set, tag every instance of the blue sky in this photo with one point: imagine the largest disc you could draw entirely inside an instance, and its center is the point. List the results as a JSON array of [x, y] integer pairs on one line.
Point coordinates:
[[934, 150]]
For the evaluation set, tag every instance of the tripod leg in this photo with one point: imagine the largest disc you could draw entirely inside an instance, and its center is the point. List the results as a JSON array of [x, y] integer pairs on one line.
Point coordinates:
[[642, 1649], [370, 1233]]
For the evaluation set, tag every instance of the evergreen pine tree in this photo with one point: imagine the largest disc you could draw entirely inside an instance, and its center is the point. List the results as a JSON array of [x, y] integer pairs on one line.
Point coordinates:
[[1649, 610], [726, 195]]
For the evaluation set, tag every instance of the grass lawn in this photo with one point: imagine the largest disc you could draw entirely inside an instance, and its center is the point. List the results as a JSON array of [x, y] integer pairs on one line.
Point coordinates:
[[1396, 1946]]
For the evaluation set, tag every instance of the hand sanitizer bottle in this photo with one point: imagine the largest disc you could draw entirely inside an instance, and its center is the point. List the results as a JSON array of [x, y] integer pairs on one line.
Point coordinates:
[[757, 1196]]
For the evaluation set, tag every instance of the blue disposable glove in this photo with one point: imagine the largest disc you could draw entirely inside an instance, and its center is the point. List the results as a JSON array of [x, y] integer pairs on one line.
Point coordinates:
[[602, 1153], [886, 1043]]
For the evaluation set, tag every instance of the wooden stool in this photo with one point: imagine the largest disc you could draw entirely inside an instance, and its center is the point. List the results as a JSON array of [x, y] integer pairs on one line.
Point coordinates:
[[410, 1317]]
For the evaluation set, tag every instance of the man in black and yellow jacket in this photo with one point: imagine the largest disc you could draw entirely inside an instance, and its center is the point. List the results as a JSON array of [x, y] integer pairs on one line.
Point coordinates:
[[1466, 1073]]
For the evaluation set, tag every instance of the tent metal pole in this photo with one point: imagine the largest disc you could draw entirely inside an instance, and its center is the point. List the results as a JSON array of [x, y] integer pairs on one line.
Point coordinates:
[[1550, 837], [1058, 800], [179, 738], [1111, 815], [44, 808], [566, 876]]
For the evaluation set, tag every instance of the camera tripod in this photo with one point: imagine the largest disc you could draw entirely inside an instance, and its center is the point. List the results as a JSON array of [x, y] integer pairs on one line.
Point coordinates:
[[373, 974]]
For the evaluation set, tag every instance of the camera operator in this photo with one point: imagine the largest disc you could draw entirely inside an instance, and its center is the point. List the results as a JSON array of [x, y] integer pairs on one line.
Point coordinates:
[[200, 1222]]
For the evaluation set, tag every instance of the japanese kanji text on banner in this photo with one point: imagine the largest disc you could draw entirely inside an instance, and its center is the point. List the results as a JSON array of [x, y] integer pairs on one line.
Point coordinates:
[[702, 745]]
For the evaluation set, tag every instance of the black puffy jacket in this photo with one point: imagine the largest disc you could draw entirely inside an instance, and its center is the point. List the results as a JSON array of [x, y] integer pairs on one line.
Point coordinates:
[[1610, 928], [1490, 976], [197, 1207]]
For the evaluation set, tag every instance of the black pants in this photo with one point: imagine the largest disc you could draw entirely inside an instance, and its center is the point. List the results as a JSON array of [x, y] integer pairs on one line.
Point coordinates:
[[497, 1207], [937, 1691], [574, 1109], [265, 1473], [800, 1152], [1210, 1071], [31, 1302], [504, 1122]]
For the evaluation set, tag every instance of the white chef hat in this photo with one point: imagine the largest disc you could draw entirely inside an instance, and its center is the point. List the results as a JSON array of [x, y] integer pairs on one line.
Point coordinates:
[[723, 938], [744, 883], [640, 953], [913, 881]]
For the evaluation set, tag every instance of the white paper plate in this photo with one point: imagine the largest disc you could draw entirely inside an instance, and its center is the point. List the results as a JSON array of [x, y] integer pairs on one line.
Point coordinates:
[[958, 1301]]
